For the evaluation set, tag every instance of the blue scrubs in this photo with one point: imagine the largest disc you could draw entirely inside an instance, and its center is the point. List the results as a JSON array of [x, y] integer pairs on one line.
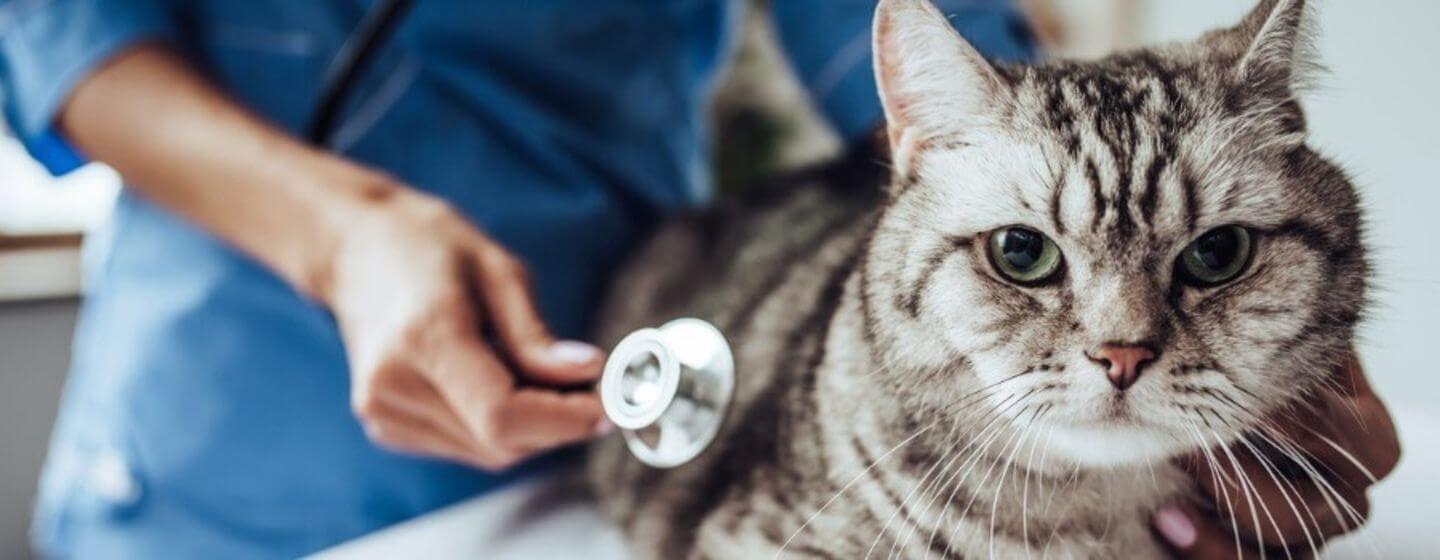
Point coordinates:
[[206, 414]]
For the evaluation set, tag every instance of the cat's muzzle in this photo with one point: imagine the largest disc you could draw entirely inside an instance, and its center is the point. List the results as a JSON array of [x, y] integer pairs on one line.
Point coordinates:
[[667, 390]]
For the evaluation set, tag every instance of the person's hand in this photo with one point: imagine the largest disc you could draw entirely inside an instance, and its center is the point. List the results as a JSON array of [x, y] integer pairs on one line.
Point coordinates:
[[420, 295], [1299, 485], [418, 292]]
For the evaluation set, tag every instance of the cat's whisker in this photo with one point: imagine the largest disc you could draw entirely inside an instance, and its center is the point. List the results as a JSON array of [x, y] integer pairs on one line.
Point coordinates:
[[1249, 492], [1284, 493], [1025, 491], [957, 455], [955, 425], [1004, 476], [935, 468], [1350, 457], [996, 413], [978, 442], [885, 528], [1281, 483], [1350, 405], [850, 484], [1297, 456], [954, 484], [981, 453], [984, 443], [1310, 459], [1271, 471], [981, 438], [1345, 512], [1150, 467], [980, 393], [1044, 461], [1218, 477], [1050, 495]]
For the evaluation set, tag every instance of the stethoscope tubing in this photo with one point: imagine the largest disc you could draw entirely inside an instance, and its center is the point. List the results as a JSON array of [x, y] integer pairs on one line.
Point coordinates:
[[350, 64]]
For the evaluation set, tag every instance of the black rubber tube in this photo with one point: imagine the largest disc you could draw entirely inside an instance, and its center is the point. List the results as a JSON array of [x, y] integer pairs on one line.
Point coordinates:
[[350, 64]]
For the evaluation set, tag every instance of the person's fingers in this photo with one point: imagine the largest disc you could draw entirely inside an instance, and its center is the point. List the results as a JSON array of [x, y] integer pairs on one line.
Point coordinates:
[[413, 395], [1361, 431], [1343, 434], [1189, 533], [510, 307], [1327, 435], [1276, 504], [508, 424], [397, 431], [1298, 480], [1350, 378], [537, 419], [475, 385]]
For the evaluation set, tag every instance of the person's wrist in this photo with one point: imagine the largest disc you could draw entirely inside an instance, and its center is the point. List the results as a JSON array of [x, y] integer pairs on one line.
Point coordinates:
[[347, 197]]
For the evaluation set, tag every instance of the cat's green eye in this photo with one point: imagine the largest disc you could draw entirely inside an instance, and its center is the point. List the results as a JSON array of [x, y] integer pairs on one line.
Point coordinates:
[[1023, 256], [1217, 257]]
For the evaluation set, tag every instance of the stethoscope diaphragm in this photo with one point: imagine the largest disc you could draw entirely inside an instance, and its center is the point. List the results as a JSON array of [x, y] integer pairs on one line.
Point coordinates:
[[667, 390]]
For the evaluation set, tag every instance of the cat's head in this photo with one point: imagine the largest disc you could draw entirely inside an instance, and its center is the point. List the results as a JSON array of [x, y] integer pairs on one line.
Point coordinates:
[[1140, 252]]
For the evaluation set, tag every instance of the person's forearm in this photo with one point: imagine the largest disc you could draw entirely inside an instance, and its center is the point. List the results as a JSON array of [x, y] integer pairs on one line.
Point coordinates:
[[180, 143]]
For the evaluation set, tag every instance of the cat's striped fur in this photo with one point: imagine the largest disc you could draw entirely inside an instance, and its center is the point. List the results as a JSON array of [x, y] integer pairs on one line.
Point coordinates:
[[896, 397]]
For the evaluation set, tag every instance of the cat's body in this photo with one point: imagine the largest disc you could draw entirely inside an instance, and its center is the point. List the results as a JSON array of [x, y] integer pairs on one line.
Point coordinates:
[[779, 278], [898, 396]]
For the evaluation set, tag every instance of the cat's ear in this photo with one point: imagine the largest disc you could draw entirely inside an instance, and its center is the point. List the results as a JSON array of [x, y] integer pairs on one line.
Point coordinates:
[[933, 84], [1270, 57], [1272, 47], [1281, 52]]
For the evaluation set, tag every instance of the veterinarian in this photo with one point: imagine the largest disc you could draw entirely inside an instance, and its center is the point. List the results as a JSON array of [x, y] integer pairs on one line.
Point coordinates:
[[282, 347]]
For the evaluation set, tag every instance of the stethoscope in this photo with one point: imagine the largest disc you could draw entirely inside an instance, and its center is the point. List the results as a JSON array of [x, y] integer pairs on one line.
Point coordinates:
[[666, 389]]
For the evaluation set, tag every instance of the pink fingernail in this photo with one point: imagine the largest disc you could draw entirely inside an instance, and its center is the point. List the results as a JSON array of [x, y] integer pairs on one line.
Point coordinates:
[[1175, 526], [574, 352], [604, 427]]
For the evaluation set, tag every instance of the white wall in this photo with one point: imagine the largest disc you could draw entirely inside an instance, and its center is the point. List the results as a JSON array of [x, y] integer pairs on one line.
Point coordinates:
[[1378, 114]]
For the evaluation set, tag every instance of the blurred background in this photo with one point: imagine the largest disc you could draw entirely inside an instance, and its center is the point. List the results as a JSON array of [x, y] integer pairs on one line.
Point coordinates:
[[1374, 112]]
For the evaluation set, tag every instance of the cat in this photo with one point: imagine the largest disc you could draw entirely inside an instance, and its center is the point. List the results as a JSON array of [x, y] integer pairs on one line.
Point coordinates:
[[1072, 273]]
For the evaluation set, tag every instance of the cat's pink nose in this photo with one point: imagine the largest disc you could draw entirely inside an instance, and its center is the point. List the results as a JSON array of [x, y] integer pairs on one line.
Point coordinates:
[[1122, 362]]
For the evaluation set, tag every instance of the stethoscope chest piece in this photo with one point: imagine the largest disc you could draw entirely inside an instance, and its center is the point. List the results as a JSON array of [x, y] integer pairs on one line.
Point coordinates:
[[667, 390]]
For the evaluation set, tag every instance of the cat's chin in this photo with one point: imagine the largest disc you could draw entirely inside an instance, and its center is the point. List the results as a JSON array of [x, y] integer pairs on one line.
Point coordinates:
[[1113, 444]]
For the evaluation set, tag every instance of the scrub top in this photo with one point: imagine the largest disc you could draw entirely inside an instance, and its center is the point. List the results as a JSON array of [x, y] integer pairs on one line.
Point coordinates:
[[206, 414]]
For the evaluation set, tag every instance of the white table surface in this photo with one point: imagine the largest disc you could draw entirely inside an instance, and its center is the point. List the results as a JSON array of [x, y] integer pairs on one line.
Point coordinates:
[[542, 519], [537, 519]]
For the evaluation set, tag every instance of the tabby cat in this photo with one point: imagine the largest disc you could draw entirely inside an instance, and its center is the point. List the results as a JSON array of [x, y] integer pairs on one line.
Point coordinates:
[[1074, 272]]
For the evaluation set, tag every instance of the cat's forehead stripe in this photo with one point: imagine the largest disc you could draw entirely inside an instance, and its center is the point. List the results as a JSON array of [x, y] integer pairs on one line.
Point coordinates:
[[1119, 122]]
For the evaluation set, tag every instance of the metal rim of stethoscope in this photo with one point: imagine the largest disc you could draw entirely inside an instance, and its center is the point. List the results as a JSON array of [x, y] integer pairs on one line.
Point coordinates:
[[667, 389], [620, 385]]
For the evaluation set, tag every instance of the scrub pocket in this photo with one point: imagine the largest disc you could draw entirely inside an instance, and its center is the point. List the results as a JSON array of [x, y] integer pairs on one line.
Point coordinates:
[[91, 478]]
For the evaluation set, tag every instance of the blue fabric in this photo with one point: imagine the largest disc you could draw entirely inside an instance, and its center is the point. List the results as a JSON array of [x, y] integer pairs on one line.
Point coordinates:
[[206, 414], [828, 42]]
